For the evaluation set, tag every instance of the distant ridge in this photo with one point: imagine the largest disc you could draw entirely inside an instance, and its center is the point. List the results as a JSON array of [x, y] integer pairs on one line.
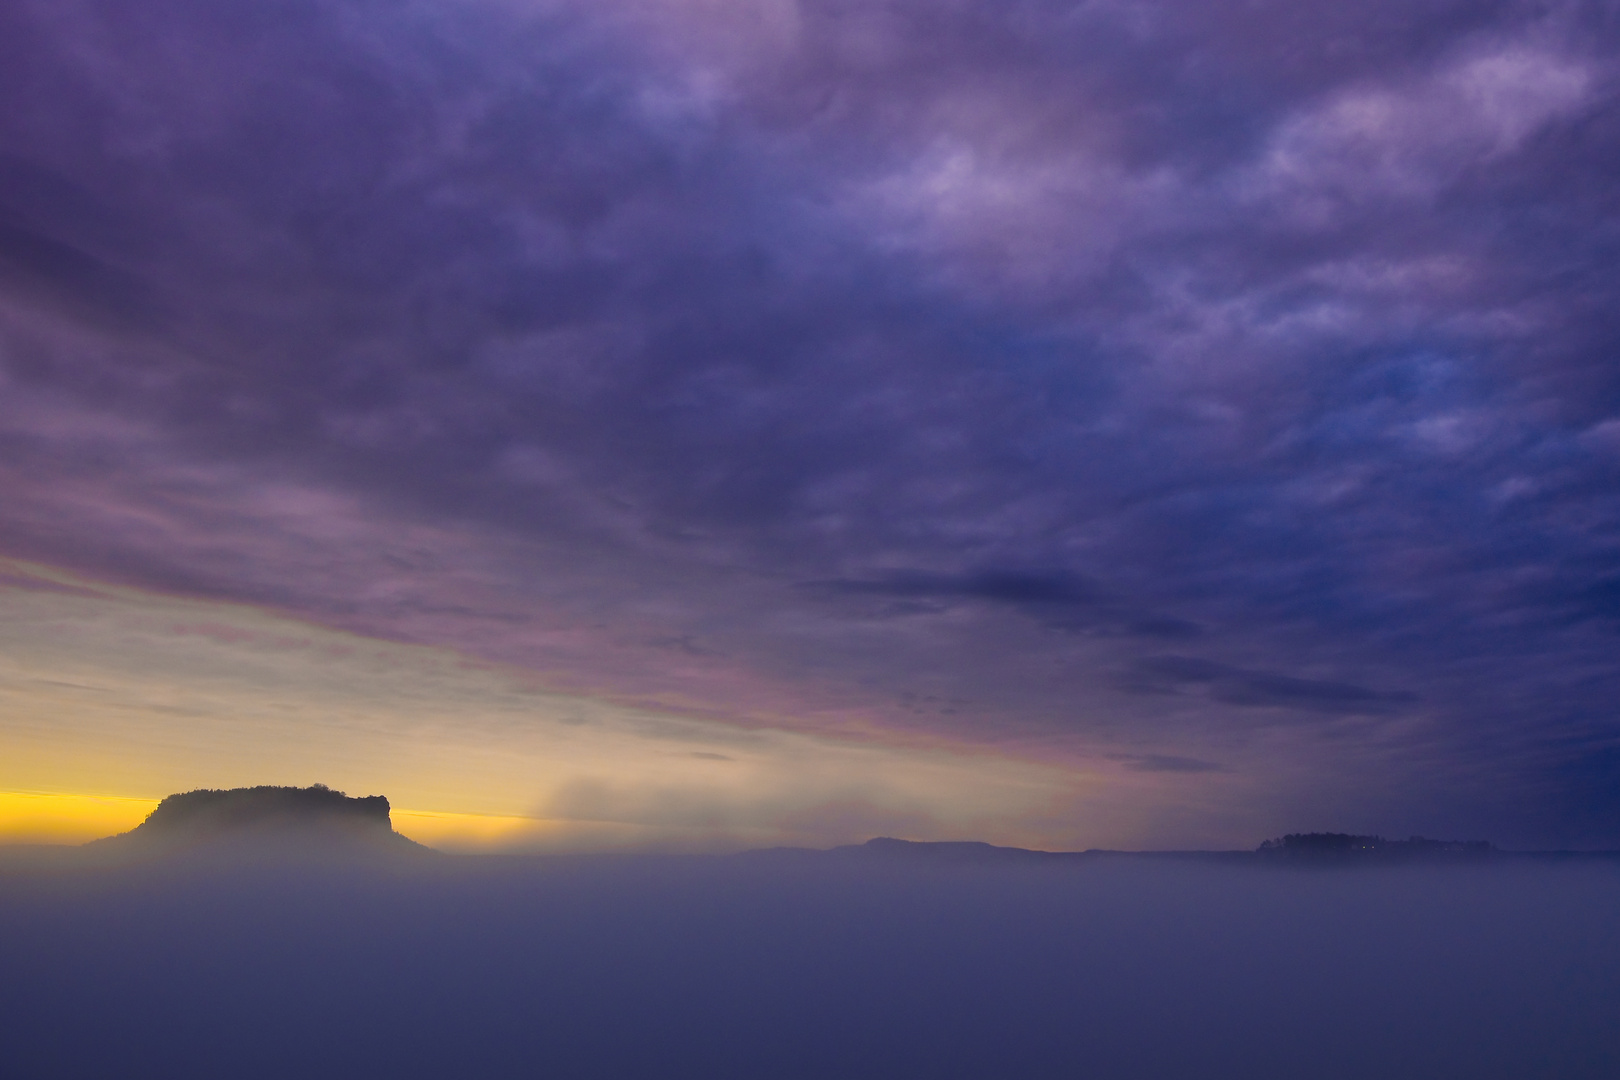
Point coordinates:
[[1293, 849], [975, 852], [315, 819], [1349, 848]]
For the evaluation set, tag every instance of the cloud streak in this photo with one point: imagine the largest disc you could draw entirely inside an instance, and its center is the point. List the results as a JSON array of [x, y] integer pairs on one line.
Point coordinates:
[[475, 754]]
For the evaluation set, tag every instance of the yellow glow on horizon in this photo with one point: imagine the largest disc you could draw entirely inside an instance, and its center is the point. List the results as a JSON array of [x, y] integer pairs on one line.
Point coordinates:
[[36, 817], [112, 689], [55, 817]]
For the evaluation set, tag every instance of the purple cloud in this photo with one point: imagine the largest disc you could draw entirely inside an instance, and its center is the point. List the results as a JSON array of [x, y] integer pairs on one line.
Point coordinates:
[[968, 351]]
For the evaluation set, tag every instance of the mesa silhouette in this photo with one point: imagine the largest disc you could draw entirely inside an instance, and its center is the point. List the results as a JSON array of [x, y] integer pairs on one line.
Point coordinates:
[[315, 819]]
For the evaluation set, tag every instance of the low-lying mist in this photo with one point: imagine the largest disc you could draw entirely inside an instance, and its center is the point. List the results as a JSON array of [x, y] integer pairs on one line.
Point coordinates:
[[788, 965]]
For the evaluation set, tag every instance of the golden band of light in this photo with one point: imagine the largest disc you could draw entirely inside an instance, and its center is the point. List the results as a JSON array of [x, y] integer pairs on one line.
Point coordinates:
[[110, 689], [54, 817]]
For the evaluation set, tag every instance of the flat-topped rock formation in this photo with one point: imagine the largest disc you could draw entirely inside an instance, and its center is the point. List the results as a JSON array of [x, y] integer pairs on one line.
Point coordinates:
[[315, 820]]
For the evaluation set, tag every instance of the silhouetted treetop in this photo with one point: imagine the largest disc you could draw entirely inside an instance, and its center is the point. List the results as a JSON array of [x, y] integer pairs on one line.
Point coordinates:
[[1346, 847], [238, 807]]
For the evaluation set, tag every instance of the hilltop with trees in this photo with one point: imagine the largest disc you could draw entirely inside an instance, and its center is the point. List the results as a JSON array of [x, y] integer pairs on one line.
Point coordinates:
[[1350, 848]]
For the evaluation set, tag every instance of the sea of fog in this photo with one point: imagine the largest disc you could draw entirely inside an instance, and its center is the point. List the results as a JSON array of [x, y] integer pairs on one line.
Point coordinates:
[[783, 966]]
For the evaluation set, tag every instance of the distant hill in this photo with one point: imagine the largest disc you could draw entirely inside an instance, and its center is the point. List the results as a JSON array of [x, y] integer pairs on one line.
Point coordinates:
[[1350, 848], [886, 849], [315, 819], [955, 851], [1301, 849]]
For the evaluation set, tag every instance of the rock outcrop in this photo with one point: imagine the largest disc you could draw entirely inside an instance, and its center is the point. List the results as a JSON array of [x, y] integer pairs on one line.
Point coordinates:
[[315, 820]]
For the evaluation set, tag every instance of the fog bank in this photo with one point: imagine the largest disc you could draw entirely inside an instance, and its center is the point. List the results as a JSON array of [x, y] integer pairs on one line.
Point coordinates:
[[794, 965]]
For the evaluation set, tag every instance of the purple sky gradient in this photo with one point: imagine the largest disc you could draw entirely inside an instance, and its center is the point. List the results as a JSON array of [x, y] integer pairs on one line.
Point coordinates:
[[1208, 388]]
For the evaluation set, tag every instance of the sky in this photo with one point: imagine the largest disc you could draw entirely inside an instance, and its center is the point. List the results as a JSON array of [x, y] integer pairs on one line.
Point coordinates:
[[707, 423]]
